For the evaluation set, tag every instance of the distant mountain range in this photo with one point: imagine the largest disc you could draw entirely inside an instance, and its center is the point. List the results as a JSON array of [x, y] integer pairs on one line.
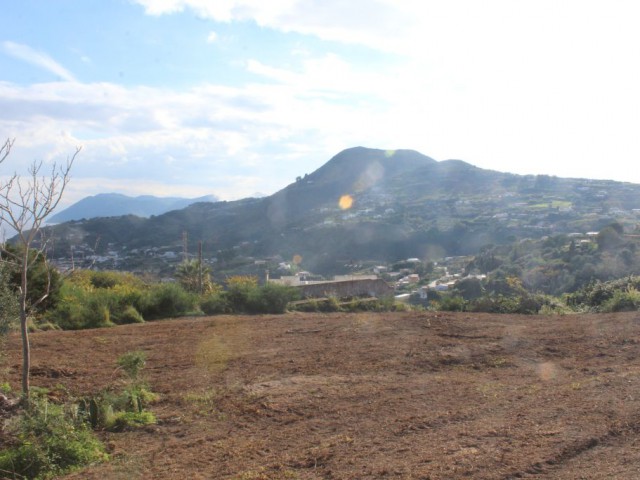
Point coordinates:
[[397, 204], [116, 205]]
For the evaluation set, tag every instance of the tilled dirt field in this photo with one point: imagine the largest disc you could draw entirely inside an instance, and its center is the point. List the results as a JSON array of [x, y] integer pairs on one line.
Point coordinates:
[[365, 396]]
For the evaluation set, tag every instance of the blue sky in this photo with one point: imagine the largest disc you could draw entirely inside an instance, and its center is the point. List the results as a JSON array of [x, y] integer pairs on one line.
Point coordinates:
[[234, 97]]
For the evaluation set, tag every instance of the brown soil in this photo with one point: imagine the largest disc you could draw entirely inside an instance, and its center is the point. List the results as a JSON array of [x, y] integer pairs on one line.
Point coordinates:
[[365, 396]]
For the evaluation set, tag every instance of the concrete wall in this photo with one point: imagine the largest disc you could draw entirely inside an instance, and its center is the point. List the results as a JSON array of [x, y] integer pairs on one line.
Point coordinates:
[[348, 288]]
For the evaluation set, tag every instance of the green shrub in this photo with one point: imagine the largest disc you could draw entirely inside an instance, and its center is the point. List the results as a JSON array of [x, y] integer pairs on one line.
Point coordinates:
[[214, 304], [622, 301], [325, 305], [132, 363], [52, 441], [241, 293], [310, 305], [385, 304], [270, 298], [452, 303], [131, 420], [599, 296], [8, 303], [331, 304], [128, 315], [42, 277], [97, 299], [101, 279], [166, 300], [360, 305], [125, 410]]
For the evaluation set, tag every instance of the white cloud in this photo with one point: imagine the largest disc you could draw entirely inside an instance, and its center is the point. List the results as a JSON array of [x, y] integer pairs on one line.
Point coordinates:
[[37, 58], [216, 135], [371, 22], [545, 87], [212, 37]]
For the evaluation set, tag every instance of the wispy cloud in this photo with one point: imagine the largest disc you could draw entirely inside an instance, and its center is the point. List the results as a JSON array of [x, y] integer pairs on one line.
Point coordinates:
[[37, 58]]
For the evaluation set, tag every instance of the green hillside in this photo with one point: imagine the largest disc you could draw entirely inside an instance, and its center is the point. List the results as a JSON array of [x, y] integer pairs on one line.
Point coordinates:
[[402, 204]]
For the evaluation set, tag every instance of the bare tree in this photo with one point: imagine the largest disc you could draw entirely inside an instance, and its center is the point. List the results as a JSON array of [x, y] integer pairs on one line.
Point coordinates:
[[25, 204]]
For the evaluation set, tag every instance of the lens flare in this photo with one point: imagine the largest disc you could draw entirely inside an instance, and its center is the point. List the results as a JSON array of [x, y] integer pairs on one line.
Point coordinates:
[[547, 371], [345, 202], [297, 259]]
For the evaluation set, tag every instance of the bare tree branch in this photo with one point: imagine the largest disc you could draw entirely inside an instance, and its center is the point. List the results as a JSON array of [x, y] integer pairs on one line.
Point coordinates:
[[5, 150], [25, 203]]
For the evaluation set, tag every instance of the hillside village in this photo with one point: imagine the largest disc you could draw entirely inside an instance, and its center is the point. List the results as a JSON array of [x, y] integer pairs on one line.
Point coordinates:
[[412, 276], [418, 228]]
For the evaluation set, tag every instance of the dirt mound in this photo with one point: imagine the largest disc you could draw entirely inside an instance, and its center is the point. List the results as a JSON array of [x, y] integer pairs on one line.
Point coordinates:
[[366, 396]]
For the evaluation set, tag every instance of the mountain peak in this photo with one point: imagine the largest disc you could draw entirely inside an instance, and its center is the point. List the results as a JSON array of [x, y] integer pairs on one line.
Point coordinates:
[[352, 164], [117, 204]]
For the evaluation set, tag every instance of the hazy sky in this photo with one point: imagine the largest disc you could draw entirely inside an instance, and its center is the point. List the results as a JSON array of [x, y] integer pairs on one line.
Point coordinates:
[[233, 97]]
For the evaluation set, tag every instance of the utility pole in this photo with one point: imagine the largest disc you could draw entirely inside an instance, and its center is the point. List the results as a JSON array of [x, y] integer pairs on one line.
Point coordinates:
[[200, 267], [185, 253]]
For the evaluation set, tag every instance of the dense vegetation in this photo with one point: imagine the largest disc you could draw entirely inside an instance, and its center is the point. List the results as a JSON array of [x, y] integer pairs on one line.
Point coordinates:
[[554, 274], [92, 299]]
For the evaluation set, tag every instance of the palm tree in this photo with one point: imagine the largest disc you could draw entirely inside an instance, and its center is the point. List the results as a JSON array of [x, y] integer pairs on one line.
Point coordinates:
[[194, 277]]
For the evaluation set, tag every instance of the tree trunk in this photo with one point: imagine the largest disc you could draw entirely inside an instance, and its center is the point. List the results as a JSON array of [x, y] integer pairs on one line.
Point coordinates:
[[26, 355], [24, 330]]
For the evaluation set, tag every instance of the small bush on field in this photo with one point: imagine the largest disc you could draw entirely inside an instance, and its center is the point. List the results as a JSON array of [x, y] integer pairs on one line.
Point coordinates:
[[325, 305], [106, 279], [524, 303], [52, 440], [102, 299], [332, 304], [127, 409], [97, 299], [270, 298], [239, 290], [452, 303], [132, 363], [128, 315], [129, 420], [116, 412], [215, 303], [310, 305], [386, 304], [166, 300], [244, 295]]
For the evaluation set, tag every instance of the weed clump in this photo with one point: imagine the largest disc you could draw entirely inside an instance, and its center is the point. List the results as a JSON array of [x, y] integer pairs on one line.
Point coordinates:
[[51, 440], [127, 409]]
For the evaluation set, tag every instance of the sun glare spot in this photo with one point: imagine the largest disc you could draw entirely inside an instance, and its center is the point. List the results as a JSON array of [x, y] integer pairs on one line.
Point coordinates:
[[389, 153], [297, 259], [345, 202], [547, 371]]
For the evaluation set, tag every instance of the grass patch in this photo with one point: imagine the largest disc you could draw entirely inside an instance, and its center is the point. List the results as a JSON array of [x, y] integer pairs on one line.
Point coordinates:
[[212, 354], [205, 403], [52, 440]]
